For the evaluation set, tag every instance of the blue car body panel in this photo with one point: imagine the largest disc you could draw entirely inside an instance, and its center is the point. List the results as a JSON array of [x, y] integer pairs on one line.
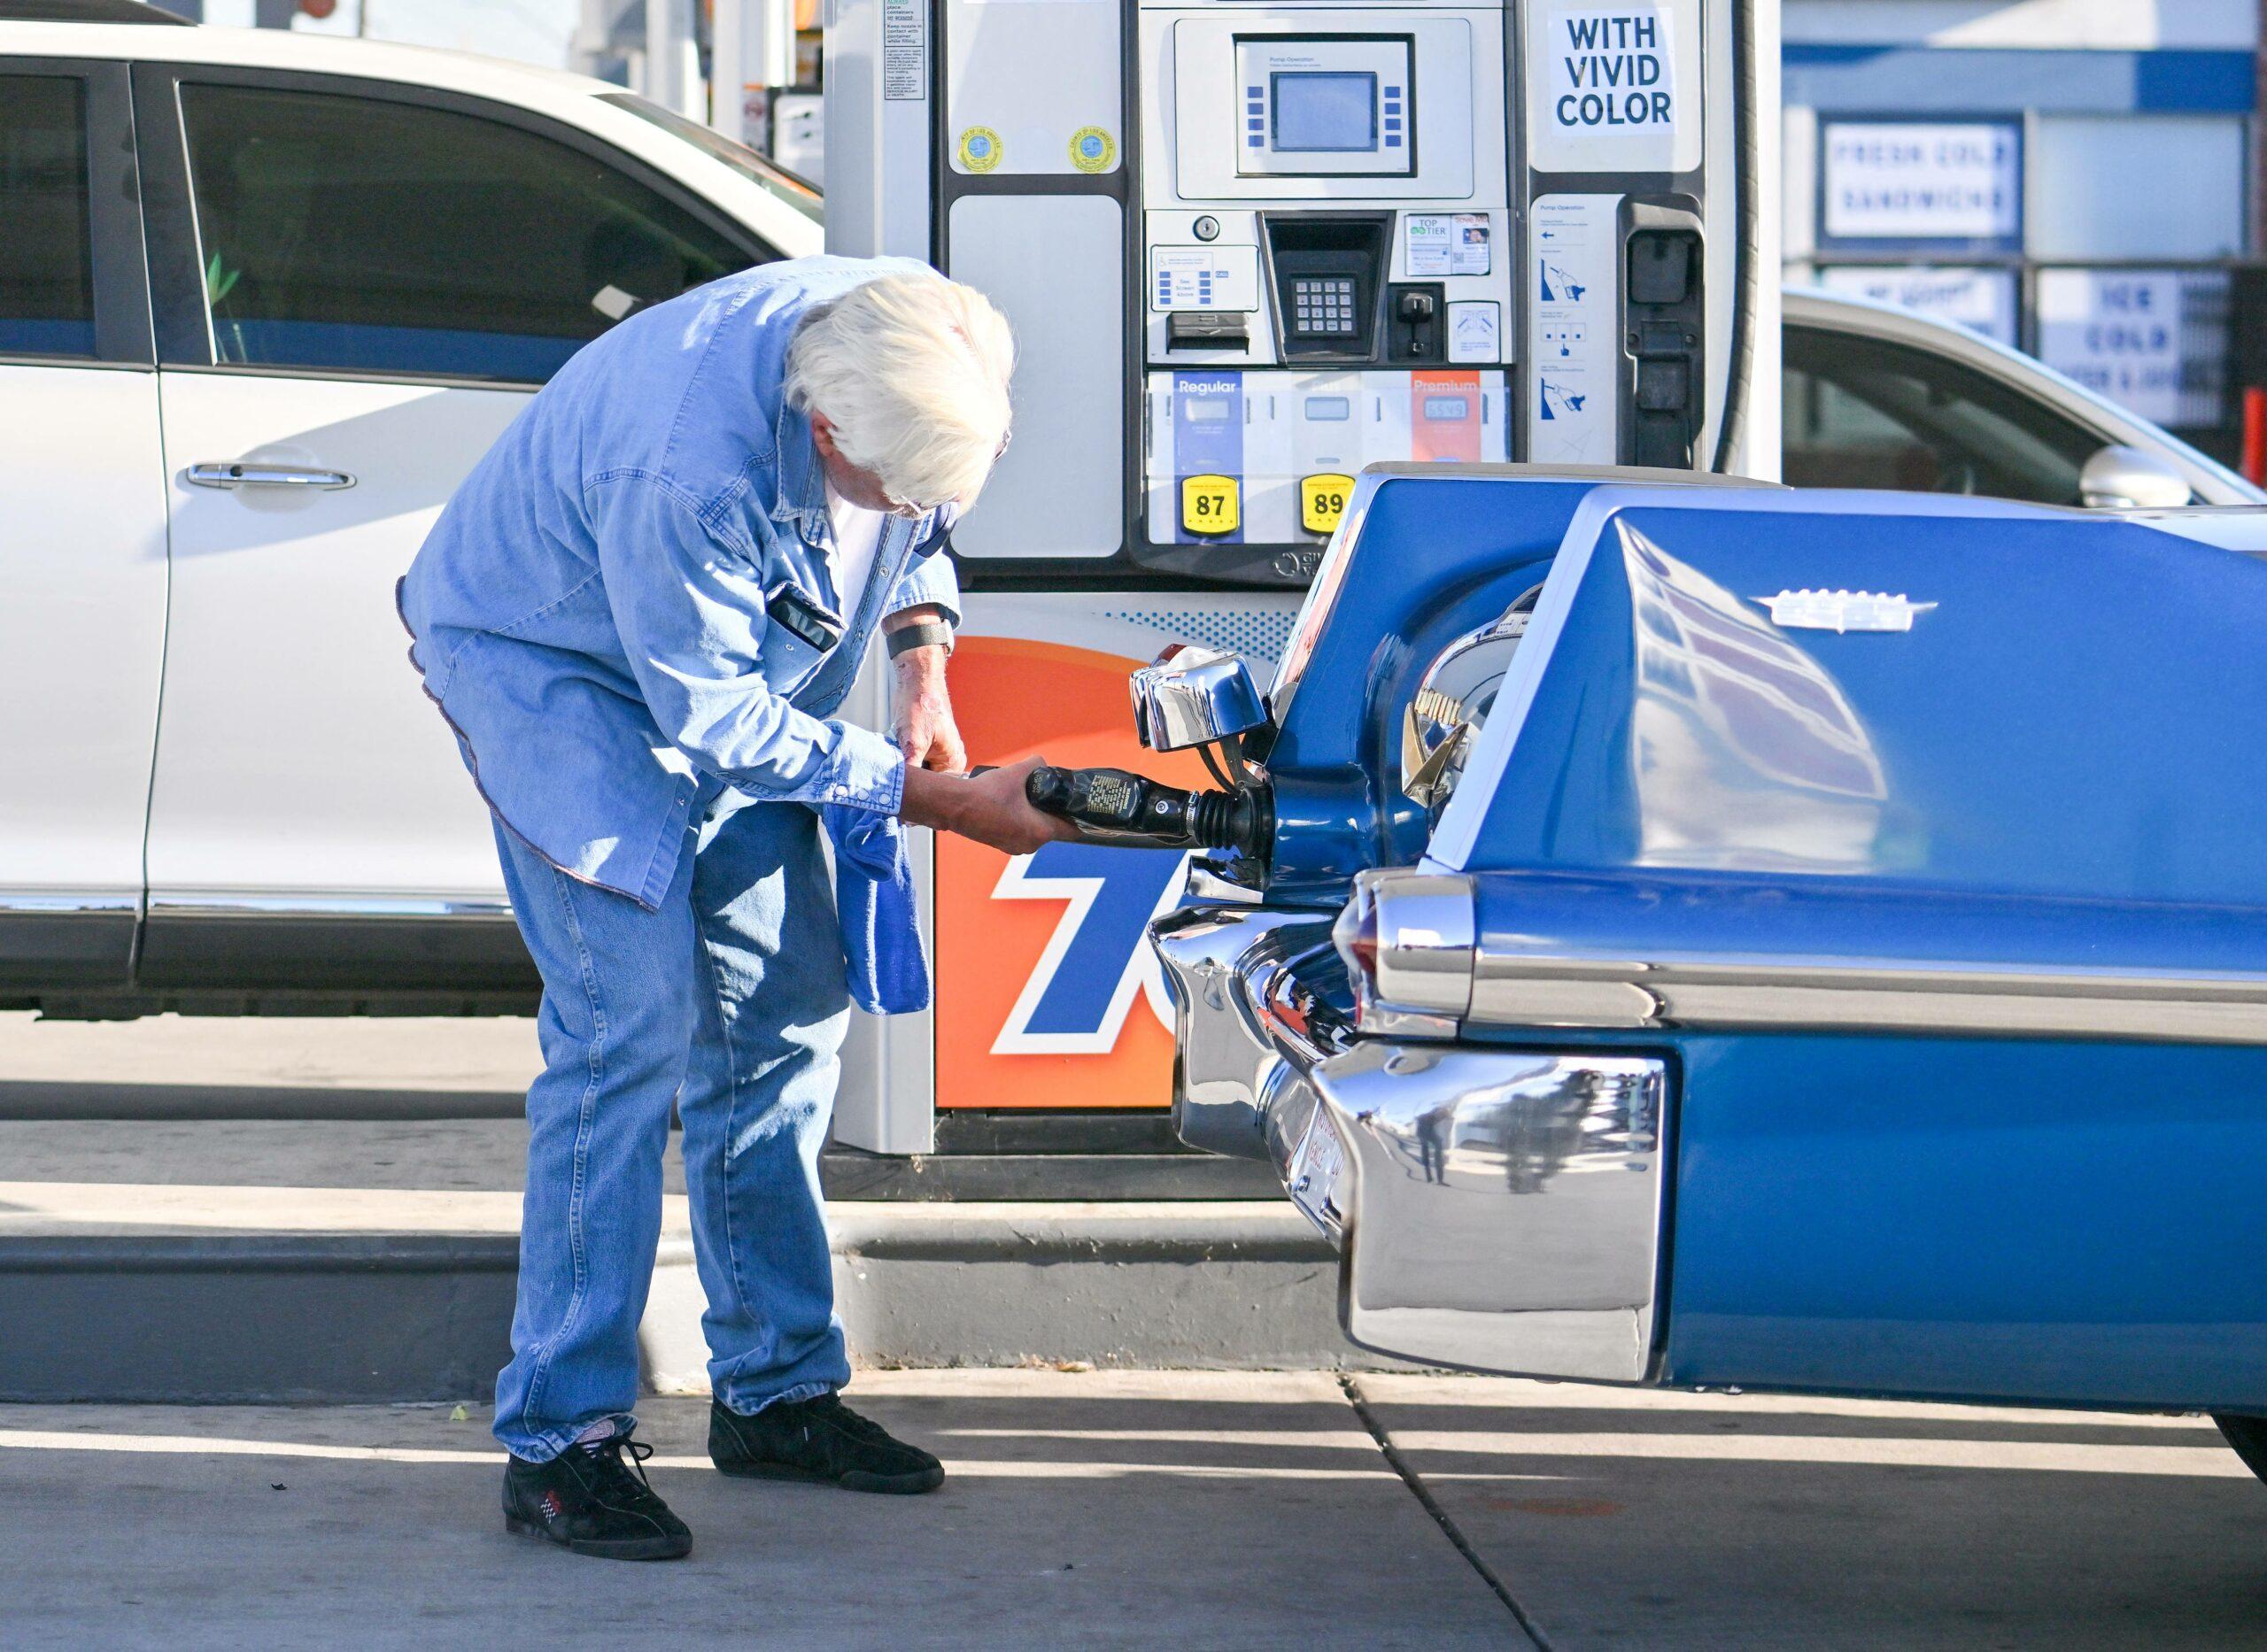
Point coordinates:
[[2056, 767], [1439, 556], [2012, 1219], [2070, 713]]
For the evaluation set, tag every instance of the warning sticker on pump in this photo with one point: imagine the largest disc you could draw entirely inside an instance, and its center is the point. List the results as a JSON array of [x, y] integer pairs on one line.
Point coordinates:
[[979, 149], [905, 50]]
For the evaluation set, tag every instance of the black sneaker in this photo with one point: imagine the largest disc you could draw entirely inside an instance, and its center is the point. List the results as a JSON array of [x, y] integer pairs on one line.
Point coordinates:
[[588, 1501], [818, 1440]]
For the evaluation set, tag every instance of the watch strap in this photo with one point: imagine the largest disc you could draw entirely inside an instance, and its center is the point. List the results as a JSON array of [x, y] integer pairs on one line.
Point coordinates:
[[927, 633]]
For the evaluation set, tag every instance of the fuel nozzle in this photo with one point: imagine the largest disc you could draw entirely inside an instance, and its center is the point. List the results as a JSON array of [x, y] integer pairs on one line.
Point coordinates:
[[1112, 806]]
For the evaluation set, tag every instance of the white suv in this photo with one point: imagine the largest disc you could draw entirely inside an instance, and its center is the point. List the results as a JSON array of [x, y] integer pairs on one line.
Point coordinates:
[[264, 299]]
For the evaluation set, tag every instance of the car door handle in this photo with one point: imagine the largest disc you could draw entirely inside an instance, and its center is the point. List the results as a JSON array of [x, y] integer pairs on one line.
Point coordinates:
[[240, 475]]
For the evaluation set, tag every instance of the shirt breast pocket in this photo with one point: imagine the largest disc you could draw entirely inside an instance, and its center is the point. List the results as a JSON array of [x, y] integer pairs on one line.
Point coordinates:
[[801, 632]]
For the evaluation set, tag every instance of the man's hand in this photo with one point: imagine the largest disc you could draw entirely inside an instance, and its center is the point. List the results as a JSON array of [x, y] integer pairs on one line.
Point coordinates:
[[921, 721], [989, 807]]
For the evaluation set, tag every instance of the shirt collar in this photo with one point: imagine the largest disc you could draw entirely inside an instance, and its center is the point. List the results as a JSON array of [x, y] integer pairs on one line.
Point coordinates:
[[801, 494]]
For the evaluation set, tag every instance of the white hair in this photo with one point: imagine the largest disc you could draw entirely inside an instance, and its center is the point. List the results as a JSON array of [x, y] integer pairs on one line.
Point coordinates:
[[912, 373]]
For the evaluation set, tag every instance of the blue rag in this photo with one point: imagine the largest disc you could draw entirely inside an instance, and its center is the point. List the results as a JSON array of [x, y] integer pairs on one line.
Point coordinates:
[[873, 899]]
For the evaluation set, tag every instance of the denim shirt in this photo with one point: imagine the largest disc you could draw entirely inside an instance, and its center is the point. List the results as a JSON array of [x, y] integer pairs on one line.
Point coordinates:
[[589, 611]]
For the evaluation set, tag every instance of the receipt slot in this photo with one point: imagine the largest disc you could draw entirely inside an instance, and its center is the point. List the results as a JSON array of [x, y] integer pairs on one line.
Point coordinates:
[[1249, 247]]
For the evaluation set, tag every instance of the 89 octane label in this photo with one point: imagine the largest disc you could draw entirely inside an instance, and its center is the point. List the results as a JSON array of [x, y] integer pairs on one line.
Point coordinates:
[[1322, 501]]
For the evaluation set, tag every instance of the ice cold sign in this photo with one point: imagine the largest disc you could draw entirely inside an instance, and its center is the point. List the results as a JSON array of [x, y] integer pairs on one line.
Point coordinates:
[[1610, 94]]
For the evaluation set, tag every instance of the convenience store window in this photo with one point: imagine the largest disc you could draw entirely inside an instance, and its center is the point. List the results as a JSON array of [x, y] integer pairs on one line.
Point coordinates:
[[2102, 243]]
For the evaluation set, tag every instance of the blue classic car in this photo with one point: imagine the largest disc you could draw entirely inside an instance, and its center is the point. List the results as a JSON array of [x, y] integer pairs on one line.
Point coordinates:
[[1672, 932]]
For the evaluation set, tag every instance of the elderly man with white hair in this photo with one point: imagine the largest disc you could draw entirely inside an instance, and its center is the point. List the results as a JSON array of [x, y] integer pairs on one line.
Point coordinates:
[[639, 615]]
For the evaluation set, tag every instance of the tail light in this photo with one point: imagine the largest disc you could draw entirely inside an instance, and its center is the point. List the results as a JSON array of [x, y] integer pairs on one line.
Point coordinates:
[[1407, 939]]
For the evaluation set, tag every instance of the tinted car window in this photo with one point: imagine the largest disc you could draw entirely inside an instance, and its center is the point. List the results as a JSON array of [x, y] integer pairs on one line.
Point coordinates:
[[47, 288], [1861, 414], [361, 235]]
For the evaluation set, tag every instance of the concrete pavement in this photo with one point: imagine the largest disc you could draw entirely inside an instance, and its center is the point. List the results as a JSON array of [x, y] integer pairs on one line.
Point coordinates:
[[1663, 1520], [1186, 1509]]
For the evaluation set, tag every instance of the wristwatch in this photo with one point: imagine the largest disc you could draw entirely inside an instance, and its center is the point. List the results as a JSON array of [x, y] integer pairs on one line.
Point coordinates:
[[927, 633]]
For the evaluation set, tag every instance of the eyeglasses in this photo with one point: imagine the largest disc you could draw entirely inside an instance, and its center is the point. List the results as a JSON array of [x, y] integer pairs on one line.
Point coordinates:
[[914, 513]]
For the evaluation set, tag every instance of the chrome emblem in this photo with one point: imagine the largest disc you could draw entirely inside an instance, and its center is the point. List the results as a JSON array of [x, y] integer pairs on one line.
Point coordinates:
[[1843, 610]]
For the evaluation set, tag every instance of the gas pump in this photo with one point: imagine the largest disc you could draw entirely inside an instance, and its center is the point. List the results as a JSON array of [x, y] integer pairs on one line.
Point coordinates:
[[1249, 248]]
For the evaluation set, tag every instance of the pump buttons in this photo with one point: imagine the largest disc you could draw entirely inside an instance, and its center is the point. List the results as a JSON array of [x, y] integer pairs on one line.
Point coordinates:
[[1210, 505], [1322, 501]]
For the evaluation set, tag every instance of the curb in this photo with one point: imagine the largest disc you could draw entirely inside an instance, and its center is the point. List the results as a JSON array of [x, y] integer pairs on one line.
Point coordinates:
[[250, 1316]]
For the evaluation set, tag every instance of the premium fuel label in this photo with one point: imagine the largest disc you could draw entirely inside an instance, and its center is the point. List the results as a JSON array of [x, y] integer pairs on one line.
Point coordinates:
[[1614, 88]]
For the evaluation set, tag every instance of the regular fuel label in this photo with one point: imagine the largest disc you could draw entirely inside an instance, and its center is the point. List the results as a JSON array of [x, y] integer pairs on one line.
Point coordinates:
[[1613, 87]]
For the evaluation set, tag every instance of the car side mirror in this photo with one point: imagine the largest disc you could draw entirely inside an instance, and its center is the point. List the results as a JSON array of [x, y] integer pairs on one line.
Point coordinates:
[[2128, 478], [1194, 697]]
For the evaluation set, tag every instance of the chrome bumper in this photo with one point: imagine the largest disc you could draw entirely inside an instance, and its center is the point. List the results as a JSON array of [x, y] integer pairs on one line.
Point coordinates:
[[1495, 1208], [1219, 962]]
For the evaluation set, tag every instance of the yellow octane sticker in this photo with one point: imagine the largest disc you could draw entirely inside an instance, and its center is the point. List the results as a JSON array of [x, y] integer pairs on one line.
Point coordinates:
[[1208, 505], [979, 149], [1092, 150], [1322, 501]]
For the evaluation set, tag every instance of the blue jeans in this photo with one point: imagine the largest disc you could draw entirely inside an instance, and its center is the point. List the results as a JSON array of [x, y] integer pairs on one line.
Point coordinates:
[[730, 1001]]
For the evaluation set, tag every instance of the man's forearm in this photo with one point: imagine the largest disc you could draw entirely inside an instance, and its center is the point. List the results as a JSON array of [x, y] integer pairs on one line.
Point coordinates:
[[931, 799], [990, 807]]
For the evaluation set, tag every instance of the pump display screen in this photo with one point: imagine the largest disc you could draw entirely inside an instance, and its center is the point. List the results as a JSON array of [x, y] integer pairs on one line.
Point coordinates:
[[1312, 106], [1333, 111]]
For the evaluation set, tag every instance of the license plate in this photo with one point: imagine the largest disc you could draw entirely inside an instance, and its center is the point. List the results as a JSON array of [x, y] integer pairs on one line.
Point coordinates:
[[1314, 1172]]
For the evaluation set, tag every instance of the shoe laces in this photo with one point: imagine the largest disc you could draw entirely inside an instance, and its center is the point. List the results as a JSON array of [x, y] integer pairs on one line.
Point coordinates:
[[611, 1478], [829, 1407]]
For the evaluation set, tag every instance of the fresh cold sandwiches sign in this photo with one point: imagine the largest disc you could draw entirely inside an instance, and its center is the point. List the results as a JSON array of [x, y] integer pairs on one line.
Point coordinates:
[[1922, 180], [1613, 87]]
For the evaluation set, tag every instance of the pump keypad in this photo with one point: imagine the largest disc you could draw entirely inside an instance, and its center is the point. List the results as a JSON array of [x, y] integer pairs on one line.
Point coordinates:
[[1323, 305]]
